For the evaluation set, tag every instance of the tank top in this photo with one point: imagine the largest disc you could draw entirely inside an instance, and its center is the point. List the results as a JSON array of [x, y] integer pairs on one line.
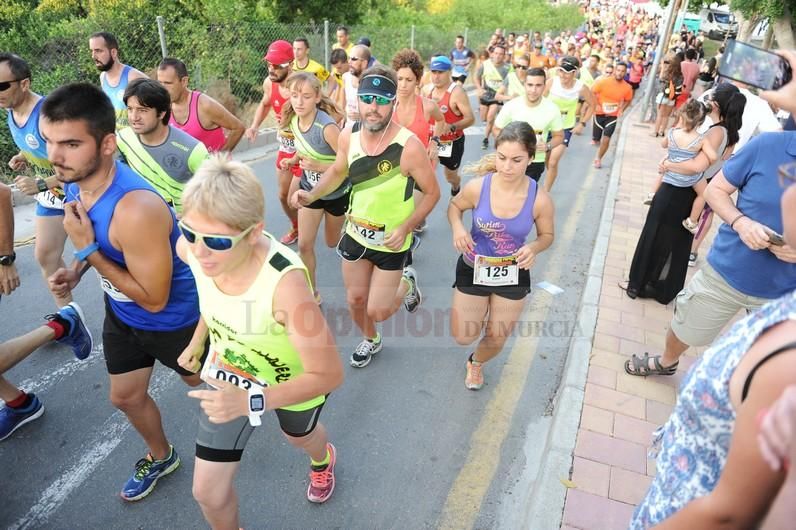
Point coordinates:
[[381, 196], [351, 104], [495, 236], [567, 100], [30, 143], [312, 144], [285, 137], [461, 58], [681, 154], [213, 139], [182, 309], [419, 125], [714, 168], [447, 112], [515, 87], [116, 95], [246, 341]]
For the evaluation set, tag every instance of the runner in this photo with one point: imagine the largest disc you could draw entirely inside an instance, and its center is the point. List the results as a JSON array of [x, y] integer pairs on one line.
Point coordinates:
[[122, 228], [493, 272], [343, 41], [339, 61], [462, 58], [567, 92], [196, 113], [514, 84], [9, 276], [311, 118], [357, 64], [279, 58], [613, 95], [264, 357], [455, 107], [114, 75], [167, 157], [303, 63], [23, 107], [382, 159], [488, 79], [541, 114]]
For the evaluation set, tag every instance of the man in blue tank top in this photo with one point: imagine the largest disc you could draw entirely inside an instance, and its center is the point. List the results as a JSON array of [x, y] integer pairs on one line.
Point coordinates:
[[114, 75], [151, 303]]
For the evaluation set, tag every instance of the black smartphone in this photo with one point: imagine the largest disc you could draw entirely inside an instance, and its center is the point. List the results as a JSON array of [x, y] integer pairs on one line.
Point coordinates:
[[754, 66], [776, 239]]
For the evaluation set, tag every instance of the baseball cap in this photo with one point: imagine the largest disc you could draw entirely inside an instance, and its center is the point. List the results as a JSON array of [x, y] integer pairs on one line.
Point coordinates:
[[570, 64], [279, 52], [376, 85], [440, 63], [364, 41]]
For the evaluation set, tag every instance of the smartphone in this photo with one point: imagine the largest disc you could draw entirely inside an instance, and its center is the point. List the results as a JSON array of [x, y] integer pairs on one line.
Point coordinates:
[[776, 239], [754, 66]]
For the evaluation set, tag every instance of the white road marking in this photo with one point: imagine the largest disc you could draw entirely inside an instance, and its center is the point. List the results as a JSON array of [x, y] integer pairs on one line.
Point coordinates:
[[45, 380]]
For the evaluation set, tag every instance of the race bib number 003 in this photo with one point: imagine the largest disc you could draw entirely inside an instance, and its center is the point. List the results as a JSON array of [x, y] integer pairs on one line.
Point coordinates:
[[445, 150], [371, 232], [495, 271], [216, 368]]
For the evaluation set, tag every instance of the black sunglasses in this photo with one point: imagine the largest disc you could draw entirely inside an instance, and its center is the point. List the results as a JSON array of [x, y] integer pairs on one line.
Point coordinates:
[[520, 67], [5, 85]]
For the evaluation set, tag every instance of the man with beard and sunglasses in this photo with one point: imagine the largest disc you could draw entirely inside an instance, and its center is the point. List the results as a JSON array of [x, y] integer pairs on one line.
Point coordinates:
[[280, 59], [167, 157], [114, 75], [151, 302], [383, 160], [358, 61]]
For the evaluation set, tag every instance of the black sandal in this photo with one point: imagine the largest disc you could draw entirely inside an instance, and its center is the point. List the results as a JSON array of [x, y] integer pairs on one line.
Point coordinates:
[[641, 367]]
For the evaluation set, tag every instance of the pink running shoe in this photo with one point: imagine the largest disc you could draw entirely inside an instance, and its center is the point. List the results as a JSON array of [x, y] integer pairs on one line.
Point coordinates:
[[322, 481]]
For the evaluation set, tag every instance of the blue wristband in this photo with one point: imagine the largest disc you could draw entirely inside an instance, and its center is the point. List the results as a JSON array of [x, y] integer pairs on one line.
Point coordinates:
[[82, 255]]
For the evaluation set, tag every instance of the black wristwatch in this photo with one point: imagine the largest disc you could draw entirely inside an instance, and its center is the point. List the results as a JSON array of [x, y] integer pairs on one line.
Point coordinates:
[[435, 139], [41, 185], [453, 127], [8, 259]]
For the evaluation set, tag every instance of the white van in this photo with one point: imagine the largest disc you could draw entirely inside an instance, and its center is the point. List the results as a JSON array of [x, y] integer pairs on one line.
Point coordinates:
[[718, 24]]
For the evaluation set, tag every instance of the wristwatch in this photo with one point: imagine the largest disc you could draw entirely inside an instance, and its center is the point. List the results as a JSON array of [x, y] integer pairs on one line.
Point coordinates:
[[8, 259], [41, 185], [453, 127], [256, 405], [547, 147]]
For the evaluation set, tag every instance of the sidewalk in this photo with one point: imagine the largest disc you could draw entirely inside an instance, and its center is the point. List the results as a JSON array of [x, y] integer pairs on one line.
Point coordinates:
[[610, 468]]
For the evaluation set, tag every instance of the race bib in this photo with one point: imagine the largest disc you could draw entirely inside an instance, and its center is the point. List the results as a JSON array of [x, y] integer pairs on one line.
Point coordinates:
[[286, 145], [313, 177], [50, 200], [495, 271], [112, 291], [445, 150], [371, 232], [610, 108], [216, 368]]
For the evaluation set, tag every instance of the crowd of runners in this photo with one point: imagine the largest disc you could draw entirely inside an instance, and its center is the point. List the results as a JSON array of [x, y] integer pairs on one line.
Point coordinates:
[[358, 149]]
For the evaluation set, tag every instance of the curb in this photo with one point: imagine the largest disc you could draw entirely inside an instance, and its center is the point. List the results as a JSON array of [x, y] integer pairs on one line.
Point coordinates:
[[547, 497]]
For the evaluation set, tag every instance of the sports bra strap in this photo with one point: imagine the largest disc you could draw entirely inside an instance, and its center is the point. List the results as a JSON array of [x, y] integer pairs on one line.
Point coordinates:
[[749, 377]]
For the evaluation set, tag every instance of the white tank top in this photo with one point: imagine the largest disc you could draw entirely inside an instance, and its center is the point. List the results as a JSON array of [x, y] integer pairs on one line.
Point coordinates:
[[559, 91], [351, 105]]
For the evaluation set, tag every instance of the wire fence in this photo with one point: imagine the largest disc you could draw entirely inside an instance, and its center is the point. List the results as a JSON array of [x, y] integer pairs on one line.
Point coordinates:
[[224, 60]]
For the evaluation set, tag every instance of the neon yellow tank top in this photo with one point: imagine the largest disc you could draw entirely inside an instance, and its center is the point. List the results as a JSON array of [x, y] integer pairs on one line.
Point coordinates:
[[245, 338]]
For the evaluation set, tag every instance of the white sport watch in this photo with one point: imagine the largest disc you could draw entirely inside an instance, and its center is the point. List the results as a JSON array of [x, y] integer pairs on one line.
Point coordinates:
[[256, 405]]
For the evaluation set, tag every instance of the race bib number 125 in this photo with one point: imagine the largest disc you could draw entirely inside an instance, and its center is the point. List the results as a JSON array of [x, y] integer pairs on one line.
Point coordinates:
[[495, 271]]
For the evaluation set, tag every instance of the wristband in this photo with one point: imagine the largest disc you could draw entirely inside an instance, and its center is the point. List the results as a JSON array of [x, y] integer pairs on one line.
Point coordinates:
[[83, 254], [41, 185], [435, 139], [732, 224]]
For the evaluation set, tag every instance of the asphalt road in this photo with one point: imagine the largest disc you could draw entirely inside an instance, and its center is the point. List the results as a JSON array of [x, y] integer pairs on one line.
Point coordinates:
[[415, 448]]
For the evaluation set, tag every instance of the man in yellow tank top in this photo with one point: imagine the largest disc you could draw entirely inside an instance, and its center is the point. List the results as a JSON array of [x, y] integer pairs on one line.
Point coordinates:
[[383, 161]]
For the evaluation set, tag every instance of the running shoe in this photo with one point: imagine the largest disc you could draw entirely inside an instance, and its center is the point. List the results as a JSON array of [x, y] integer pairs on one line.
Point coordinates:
[[692, 257], [77, 336], [598, 163], [485, 144], [413, 298], [365, 351], [13, 419], [322, 479], [146, 475], [649, 198], [690, 225], [415, 244], [475, 375], [595, 142], [290, 237]]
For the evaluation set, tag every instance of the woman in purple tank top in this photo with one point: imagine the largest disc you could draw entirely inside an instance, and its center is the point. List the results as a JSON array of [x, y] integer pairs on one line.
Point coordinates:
[[493, 273]]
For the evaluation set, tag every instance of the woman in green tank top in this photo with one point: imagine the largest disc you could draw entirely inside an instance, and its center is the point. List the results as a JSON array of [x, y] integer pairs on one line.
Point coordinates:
[[255, 302]]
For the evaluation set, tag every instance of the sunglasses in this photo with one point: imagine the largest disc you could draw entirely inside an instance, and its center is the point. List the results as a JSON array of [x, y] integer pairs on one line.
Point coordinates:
[[355, 59], [5, 85], [380, 100], [279, 66], [787, 174], [520, 67], [214, 242]]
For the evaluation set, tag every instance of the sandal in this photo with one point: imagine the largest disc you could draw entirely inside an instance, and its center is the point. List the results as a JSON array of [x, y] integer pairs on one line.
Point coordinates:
[[641, 366]]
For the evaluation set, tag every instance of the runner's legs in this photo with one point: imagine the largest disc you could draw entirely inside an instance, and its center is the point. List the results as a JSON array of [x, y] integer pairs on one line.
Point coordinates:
[[214, 490], [309, 220], [387, 292], [552, 166], [129, 393], [467, 317], [503, 315], [356, 278]]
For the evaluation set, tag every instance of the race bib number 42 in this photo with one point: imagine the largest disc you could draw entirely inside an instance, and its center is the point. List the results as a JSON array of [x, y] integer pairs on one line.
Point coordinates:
[[216, 368], [371, 232], [495, 271]]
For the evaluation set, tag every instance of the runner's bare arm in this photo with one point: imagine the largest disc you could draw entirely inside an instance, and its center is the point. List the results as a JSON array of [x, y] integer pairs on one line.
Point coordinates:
[[262, 111], [415, 162], [588, 98], [295, 307], [432, 112], [547, 86], [465, 200], [136, 74], [9, 278], [461, 105], [218, 116], [331, 134], [191, 356]]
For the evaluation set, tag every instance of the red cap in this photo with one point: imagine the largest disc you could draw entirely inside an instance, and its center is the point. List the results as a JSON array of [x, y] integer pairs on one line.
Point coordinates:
[[279, 52]]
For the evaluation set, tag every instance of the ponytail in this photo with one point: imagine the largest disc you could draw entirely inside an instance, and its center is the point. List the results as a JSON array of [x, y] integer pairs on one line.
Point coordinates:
[[733, 120]]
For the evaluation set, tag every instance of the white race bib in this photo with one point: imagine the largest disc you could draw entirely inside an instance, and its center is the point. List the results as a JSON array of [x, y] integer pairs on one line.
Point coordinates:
[[286, 145], [49, 200], [495, 271], [112, 291], [445, 150], [215, 368], [313, 177], [610, 108], [372, 233]]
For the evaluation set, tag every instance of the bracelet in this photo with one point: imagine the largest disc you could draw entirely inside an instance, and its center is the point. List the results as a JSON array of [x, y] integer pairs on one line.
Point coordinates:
[[41, 185], [83, 254], [732, 224], [435, 139]]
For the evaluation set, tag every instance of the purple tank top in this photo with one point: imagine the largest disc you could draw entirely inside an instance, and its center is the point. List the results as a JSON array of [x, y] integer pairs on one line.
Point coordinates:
[[495, 236]]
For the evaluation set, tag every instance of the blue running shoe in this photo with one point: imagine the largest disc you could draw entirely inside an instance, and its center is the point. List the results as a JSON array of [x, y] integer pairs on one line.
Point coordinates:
[[146, 475], [13, 419], [78, 336]]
